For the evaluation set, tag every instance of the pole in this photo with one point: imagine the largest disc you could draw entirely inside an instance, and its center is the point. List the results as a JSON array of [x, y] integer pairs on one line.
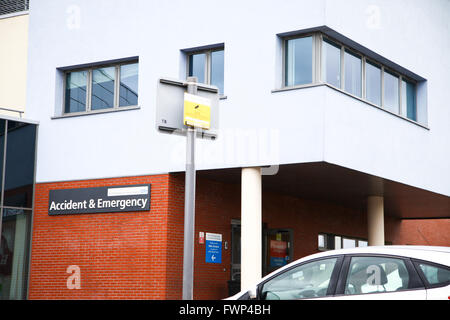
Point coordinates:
[[189, 206]]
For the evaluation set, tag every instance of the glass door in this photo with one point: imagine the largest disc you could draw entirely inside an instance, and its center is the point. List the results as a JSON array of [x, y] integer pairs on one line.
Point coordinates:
[[277, 249]]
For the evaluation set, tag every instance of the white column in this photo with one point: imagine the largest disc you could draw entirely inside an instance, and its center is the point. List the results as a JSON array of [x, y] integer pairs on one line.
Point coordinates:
[[251, 225], [375, 220]]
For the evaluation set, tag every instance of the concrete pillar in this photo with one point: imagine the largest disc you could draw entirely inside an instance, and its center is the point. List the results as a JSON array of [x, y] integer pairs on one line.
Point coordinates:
[[375, 220], [251, 225]]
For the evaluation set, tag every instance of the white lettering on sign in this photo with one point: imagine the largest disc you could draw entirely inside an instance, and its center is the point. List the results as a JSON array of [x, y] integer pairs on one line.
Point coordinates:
[[68, 205], [74, 280], [122, 204], [101, 204]]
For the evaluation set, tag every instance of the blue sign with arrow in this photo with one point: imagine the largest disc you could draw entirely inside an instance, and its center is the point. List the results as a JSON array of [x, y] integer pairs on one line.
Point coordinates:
[[213, 248]]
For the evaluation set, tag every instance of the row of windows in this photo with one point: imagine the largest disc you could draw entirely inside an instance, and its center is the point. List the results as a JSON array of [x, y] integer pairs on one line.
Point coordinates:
[[327, 241], [349, 71], [116, 86]]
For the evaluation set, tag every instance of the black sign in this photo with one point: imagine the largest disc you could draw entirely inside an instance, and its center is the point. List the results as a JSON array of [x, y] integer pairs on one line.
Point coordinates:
[[101, 199]]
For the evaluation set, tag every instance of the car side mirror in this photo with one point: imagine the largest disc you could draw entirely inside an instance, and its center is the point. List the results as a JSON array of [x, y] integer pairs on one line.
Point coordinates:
[[252, 293]]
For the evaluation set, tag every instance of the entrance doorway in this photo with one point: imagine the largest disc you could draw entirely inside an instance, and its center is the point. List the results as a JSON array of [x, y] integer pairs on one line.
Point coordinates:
[[277, 251]]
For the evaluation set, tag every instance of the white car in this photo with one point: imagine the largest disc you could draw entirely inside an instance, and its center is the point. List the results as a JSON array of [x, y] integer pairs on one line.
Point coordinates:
[[386, 272]]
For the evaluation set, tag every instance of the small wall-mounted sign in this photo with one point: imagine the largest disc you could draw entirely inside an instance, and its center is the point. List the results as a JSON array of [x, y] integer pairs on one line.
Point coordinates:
[[213, 248], [99, 199], [201, 237]]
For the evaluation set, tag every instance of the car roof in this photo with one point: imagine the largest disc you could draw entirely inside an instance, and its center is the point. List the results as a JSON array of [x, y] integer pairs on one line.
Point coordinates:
[[431, 253]]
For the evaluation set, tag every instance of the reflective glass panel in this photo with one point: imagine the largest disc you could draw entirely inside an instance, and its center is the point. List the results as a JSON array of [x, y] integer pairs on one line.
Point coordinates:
[[321, 241], [14, 258], [2, 148], [310, 280], [298, 61], [376, 274], [75, 95], [373, 83], [435, 275], [102, 88], [217, 69], [409, 100], [19, 172], [197, 66], [391, 92], [331, 64], [348, 243], [129, 75], [337, 242], [352, 69]]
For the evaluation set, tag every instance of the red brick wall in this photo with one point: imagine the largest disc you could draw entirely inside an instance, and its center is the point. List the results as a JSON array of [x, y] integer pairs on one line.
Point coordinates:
[[121, 255], [434, 232], [139, 255]]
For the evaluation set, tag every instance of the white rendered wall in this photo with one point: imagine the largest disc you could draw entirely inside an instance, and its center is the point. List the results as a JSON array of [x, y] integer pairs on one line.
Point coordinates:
[[257, 127]]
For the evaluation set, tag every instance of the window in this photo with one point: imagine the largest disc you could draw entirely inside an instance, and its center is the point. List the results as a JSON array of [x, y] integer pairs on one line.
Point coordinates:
[[128, 92], [409, 100], [76, 91], [101, 88], [309, 280], [12, 6], [331, 55], [328, 241], [321, 241], [435, 275], [348, 243], [376, 274], [391, 98], [208, 67], [373, 83], [298, 61], [317, 58], [352, 63]]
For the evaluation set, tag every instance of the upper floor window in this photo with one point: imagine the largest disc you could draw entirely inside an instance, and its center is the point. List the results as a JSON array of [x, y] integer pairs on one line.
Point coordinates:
[[352, 75], [331, 62], [298, 61], [97, 88], [208, 67], [373, 83], [316, 58]]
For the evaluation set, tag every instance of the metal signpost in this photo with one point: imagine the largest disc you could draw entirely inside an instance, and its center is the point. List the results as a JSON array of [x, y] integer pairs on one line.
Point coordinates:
[[189, 206], [198, 117]]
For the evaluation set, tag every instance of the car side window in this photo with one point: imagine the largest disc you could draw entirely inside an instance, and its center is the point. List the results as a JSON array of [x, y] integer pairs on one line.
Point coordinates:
[[435, 275], [309, 280], [376, 274]]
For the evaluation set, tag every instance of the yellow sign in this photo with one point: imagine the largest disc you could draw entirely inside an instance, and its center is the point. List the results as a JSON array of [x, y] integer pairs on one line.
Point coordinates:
[[197, 111]]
